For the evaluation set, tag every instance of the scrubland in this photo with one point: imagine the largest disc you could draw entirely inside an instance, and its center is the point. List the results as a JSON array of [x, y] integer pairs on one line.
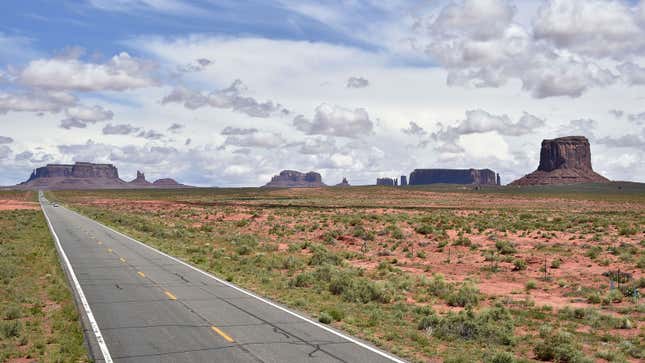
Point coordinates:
[[38, 318], [446, 273]]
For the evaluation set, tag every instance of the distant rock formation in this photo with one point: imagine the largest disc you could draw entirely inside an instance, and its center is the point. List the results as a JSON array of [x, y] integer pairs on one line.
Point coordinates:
[[295, 179], [343, 183], [140, 180], [404, 180], [167, 182], [388, 182], [454, 176], [565, 160], [84, 175]]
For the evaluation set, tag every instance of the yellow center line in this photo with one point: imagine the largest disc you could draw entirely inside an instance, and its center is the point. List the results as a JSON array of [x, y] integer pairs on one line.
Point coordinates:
[[141, 274], [222, 334], [122, 259], [170, 295]]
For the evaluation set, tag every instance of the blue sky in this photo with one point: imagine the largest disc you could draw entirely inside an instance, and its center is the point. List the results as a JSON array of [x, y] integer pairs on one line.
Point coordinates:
[[231, 92]]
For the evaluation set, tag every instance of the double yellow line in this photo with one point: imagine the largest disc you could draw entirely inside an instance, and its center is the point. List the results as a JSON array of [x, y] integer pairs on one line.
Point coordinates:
[[171, 296]]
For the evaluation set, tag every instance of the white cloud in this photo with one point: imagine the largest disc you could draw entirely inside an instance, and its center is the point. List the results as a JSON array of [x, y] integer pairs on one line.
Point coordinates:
[[35, 102], [625, 141], [335, 120], [122, 129], [265, 140], [597, 28], [80, 116], [229, 130], [5, 140], [563, 54], [121, 72], [227, 98], [357, 82], [414, 130], [5, 151]]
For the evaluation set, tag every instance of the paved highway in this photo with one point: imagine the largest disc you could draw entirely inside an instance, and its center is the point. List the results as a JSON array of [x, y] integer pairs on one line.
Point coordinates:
[[140, 305]]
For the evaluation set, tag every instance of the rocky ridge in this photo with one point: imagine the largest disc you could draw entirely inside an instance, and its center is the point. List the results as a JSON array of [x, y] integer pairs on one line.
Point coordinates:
[[84, 175]]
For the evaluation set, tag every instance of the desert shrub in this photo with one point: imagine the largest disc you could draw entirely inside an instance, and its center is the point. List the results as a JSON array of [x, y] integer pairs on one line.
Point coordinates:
[[362, 233], [467, 295], [353, 288], [519, 264], [325, 318], [495, 325], [505, 247], [244, 243], [336, 314], [10, 329], [13, 312], [613, 296], [330, 236], [594, 252], [556, 263], [502, 357], [438, 286], [425, 229], [321, 255], [530, 285], [305, 279], [463, 241], [557, 346], [394, 231]]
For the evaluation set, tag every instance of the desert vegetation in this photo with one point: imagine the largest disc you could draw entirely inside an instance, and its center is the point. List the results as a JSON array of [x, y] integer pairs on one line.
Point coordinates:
[[432, 274], [38, 318]]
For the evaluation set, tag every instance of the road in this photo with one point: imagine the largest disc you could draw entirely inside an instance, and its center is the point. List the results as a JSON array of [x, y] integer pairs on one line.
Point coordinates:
[[140, 305]]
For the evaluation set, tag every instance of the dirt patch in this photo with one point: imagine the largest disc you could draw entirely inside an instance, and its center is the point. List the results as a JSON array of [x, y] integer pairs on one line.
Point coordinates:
[[9, 204]]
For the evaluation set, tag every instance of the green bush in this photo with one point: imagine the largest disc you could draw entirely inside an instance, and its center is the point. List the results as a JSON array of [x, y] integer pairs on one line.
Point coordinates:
[[357, 289], [519, 264], [325, 318], [502, 357], [495, 325], [558, 347], [467, 295], [10, 329], [505, 247], [530, 285]]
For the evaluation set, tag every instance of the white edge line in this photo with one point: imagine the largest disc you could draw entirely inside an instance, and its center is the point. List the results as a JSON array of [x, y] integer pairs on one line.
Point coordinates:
[[326, 328], [79, 291]]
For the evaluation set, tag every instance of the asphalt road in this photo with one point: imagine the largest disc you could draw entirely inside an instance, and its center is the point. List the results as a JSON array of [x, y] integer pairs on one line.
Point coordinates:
[[140, 305]]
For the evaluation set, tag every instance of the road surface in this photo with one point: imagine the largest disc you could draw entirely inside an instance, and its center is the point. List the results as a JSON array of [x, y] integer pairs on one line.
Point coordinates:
[[140, 305]]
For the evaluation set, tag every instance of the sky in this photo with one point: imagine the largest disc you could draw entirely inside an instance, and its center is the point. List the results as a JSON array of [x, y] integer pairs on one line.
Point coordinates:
[[230, 92]]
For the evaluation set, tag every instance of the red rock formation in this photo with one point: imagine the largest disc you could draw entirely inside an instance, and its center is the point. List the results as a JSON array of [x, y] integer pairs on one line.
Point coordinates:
[[343, 183], [565, 160], [140, 180], [166, 182], [295, 179], [453, 176], [82, 175]]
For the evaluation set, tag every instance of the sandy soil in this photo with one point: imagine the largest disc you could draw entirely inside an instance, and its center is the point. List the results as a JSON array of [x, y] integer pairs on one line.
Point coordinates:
[[9, 204]]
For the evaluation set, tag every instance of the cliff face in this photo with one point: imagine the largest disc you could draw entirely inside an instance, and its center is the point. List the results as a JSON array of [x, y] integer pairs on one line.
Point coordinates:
[[295, 179], [572, 152], [78, 170], [565, 160], [453, 176]]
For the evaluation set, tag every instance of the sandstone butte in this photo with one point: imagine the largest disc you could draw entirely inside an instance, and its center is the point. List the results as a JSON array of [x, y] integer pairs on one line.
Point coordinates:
[[565, 160], [83, 175], [295, 179]]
